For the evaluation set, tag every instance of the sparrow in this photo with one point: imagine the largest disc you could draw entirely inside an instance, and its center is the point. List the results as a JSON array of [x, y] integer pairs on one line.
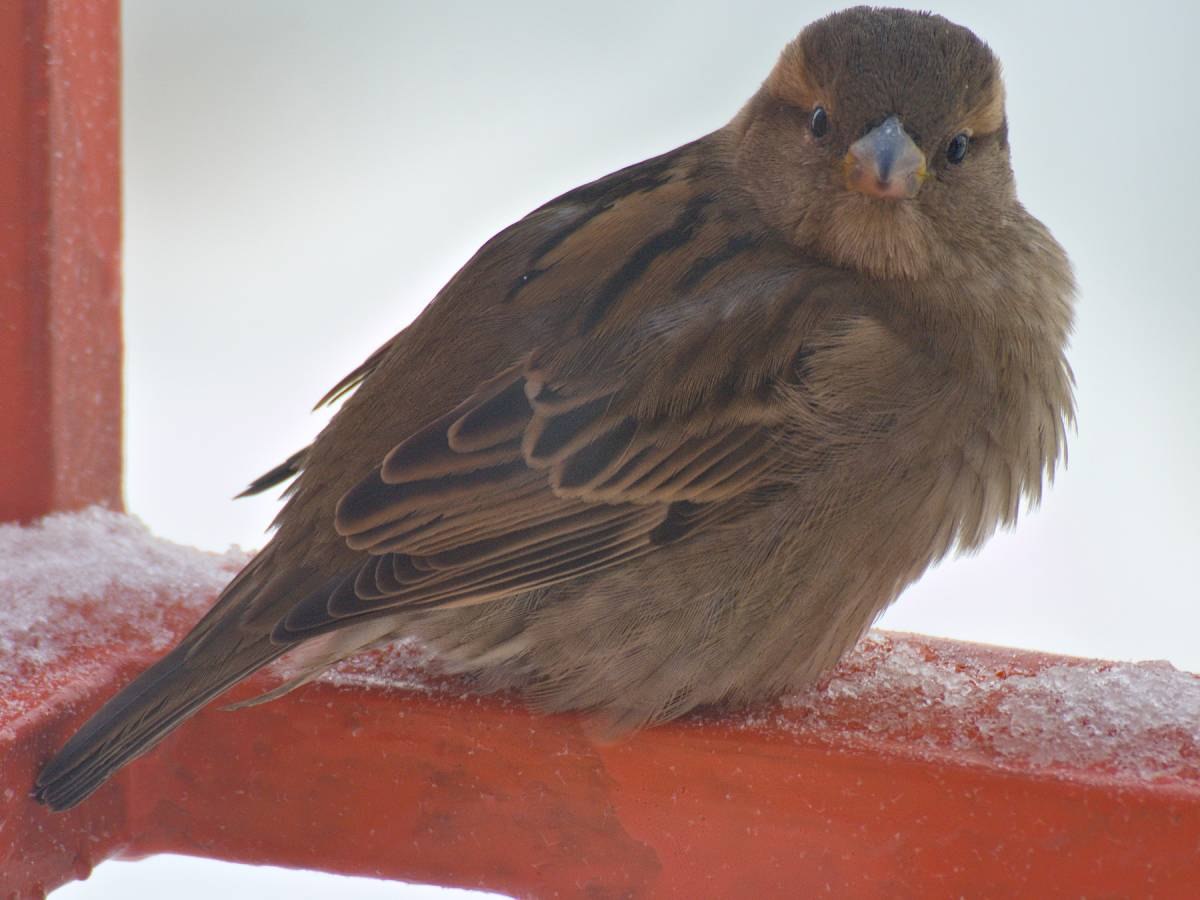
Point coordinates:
[[675, 438]]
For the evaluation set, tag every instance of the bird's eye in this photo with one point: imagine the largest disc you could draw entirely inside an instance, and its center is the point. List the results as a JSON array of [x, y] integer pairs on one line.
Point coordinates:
[[956, 152], [819, 123]]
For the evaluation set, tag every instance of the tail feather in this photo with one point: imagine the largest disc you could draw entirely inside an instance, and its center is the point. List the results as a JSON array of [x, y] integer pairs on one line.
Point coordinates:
[[141, 715]]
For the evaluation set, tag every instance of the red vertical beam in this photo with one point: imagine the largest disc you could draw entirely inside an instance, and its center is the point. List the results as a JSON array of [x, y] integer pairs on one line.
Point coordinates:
[[60, 234]]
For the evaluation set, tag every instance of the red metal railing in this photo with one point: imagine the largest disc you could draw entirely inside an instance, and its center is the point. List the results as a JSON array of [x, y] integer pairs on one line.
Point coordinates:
[[926, 768]]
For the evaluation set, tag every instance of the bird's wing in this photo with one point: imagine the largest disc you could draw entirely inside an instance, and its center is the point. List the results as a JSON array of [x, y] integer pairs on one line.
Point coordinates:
[[668, 335], [529, 482]]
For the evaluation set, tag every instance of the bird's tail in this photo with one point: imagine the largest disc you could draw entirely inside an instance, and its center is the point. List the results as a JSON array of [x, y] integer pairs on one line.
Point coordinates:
[[148, 709], [232, 640]]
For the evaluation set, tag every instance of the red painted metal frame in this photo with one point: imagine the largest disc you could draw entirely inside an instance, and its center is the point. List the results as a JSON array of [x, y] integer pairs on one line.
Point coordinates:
[[437, 785], [60, 221], [432, 784]]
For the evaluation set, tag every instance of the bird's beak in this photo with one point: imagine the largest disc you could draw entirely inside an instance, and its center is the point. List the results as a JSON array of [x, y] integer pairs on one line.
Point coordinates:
[[885, 163]]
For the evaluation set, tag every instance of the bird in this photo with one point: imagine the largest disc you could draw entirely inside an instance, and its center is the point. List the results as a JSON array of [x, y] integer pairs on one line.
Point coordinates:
[[674, 439]]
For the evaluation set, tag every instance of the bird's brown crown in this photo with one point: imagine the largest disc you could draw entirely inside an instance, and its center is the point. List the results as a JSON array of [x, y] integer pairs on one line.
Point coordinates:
[[865, 64]]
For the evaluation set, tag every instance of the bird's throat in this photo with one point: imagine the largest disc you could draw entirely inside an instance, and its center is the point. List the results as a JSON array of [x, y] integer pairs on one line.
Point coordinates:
[[881, 239]]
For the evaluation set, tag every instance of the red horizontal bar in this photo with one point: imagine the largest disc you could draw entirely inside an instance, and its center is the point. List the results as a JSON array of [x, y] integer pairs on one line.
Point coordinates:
[[923, 768], [60, 233]]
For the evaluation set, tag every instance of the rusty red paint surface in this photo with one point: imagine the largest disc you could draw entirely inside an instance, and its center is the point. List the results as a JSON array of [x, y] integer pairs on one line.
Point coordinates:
[[60, 230], [863, 793]]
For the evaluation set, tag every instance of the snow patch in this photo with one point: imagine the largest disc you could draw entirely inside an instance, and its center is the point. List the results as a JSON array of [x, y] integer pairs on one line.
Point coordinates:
[[997, 706], [53, 572]]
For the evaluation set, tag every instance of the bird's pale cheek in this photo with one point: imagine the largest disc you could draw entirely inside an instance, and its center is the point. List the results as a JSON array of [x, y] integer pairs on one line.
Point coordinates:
[[885, 163]]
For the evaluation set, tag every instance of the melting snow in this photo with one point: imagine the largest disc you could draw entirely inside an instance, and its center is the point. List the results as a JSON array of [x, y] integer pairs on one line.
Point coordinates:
[[51, 574], [404, 665], [988, 704]]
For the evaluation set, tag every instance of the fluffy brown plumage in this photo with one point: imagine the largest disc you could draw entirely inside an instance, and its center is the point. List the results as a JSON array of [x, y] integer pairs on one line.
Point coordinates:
[[676, 437]]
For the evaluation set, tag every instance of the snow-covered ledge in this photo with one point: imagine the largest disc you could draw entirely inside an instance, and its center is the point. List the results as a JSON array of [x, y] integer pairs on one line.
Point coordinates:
[[920, 764]]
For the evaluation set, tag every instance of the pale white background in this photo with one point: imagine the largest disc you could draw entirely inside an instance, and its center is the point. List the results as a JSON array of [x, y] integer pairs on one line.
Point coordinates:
[[303, 175]]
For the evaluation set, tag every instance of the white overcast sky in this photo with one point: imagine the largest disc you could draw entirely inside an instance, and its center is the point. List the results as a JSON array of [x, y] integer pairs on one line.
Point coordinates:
[[301, 176]]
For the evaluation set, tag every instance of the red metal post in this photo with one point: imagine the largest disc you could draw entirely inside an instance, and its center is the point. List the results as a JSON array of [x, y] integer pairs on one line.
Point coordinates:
[[60, 231]]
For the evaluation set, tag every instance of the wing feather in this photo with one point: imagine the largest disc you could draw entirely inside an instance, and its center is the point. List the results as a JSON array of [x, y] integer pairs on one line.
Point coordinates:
[[635, 419], [468, 510]]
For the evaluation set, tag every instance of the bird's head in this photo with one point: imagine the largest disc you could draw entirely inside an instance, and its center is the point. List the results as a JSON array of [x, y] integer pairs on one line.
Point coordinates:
[[879, 142]]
